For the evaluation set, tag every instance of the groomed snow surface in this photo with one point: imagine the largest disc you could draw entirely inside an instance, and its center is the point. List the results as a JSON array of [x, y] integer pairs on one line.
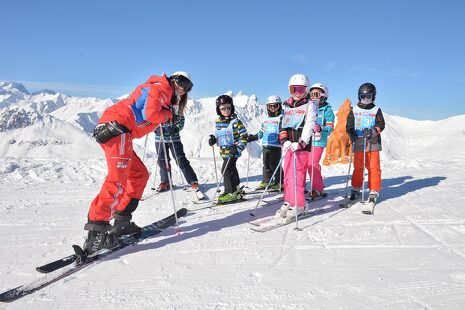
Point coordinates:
[[409, 255]]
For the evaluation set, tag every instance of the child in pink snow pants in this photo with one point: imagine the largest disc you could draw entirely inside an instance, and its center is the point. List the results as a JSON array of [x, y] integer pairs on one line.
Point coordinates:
[[296, 129]]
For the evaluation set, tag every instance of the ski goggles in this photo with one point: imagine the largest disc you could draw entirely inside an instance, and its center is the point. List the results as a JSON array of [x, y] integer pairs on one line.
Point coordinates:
[[366, 96], [184, 83], [226, 109], [273, 105], [299, 89], [316, 94]]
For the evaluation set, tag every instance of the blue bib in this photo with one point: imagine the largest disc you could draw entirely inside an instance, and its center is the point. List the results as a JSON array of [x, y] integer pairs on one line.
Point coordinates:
[[271, 131], [293, 117], [225, 136], [364, 119]]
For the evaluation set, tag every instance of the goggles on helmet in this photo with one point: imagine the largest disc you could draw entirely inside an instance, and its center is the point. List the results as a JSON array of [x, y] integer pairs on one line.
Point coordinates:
[[183, 82], [317, 94], [299, 89], [225, 108], [366, 96]]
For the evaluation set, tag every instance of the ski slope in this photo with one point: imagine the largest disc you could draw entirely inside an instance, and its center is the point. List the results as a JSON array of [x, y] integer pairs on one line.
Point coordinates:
[[409, 255]]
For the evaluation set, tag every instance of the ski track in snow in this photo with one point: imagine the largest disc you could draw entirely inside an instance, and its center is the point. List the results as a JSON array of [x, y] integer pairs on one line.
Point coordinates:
[[410, 254]]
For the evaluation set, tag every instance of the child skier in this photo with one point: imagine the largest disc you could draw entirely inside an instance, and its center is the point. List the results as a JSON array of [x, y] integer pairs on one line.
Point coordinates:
[[172, 141], [269, 133], [296, 129], [365, 123], [231, 137], [323, 128]]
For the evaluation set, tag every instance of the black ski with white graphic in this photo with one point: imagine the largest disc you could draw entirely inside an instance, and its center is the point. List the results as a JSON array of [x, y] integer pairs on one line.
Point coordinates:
[[63, 268], [147, 231]]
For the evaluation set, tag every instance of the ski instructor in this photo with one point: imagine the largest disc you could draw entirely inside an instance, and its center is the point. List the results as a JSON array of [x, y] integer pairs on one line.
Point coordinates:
[[131, 118]]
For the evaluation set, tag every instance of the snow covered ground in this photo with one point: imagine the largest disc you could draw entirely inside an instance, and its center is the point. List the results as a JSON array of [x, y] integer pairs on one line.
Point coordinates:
[[409, 255]]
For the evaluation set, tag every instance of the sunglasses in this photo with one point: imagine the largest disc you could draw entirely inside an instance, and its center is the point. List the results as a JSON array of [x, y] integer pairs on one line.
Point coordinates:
[[316, 94], [184, 83], [226, 109], [273, 105], [299, 89], [366, 96]]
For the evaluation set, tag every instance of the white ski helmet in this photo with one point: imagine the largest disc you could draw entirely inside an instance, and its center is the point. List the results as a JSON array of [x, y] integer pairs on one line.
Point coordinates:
[[183, 73], [183, 79], [322, 87], [273, 99], [299, 79]]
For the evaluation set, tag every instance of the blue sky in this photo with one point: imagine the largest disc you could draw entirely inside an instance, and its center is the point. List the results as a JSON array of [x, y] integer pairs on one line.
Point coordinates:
[[411, 50]]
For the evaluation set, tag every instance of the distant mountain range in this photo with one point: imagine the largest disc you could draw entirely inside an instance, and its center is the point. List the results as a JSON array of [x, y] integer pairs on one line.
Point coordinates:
[[46, 124]]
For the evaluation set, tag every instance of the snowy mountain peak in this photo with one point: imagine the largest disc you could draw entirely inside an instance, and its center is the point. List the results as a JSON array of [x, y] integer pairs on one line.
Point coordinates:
[[12, 88], [45, 92]]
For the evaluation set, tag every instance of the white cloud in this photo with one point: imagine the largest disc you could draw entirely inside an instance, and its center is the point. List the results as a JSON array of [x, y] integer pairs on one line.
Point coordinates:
[[76, 88]]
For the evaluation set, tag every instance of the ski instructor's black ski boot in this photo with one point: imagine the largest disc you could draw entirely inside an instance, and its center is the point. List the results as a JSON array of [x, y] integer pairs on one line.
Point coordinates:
[[98, 239]]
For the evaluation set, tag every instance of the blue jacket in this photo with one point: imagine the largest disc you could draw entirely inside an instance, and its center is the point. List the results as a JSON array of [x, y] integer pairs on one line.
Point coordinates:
[[325, 119]]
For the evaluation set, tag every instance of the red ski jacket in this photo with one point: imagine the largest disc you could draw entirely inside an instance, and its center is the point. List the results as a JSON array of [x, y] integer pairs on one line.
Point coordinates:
[[145, 109]]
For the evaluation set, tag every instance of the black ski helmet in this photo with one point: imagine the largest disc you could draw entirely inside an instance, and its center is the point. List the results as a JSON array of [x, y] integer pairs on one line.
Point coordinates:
[[224, 99], [367, 88]]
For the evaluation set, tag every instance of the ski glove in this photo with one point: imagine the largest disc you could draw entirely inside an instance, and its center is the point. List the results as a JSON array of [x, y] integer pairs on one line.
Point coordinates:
[[104, 132], [368, 133], [317, 128], [233, 150], [295, 146], [212, 140], [251, 138]]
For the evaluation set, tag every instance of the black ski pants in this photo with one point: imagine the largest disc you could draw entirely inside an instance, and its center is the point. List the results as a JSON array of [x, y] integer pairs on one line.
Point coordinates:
[[271, 158], [231, 175]]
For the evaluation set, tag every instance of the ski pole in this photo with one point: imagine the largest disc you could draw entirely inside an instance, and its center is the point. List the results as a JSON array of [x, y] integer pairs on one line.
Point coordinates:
[[364, 158], [214, 162], [170, 180], [295, 193], [157, 151], [313, 165], [348, 171], [271, 181], [248, 162], [221, 180], [145, 147]]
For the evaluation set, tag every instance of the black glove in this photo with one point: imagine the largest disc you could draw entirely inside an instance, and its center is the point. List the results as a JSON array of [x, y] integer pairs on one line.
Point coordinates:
[[353, 138], [251, 138], [233, 150], [368, 133], [212, 140]]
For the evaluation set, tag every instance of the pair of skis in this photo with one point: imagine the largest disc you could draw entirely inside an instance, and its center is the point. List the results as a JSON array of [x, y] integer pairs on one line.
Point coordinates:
[[71, 264], [368, 207], [271, 222]]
